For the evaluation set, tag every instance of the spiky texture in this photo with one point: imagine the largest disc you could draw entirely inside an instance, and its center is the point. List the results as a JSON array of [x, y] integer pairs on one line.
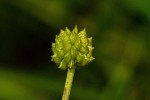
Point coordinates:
[[72, 49]]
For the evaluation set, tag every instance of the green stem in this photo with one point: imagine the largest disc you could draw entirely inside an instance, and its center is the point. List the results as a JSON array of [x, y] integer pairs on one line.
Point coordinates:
[[68, 83]]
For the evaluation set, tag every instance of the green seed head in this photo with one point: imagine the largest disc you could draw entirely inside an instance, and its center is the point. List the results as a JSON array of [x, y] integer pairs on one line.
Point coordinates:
[[72, 49]]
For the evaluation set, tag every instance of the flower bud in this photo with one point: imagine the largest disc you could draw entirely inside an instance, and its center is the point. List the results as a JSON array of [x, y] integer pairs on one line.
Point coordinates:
[[72, 49]]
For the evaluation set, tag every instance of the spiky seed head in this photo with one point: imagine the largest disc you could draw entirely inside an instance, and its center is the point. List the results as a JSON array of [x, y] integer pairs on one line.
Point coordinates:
[[72, 49]]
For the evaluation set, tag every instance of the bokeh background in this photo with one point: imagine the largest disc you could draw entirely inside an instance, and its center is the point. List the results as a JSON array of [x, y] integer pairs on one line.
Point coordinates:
[[121, 37]]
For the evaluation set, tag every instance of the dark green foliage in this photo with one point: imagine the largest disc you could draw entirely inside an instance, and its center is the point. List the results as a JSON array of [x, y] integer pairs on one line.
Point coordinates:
[[120, 31]]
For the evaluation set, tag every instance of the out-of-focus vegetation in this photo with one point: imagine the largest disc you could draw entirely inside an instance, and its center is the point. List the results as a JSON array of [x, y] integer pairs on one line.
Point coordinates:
[[121, 36]]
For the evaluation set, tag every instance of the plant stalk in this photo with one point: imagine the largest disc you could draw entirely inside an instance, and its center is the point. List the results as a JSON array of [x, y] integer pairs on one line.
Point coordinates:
[[68, 83]]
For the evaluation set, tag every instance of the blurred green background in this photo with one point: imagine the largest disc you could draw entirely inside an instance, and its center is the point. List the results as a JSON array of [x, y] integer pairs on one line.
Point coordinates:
[[121, 37]]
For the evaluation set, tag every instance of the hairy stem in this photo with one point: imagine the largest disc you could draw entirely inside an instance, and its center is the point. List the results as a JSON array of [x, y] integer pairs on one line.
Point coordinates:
[[68, 83]]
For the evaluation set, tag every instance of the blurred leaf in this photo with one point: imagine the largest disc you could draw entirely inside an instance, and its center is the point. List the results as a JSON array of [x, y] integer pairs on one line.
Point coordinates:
[[29, 86], [138, 5]]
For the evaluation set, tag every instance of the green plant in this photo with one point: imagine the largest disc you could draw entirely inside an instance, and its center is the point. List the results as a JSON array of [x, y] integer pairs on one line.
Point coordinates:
[[71, 50]]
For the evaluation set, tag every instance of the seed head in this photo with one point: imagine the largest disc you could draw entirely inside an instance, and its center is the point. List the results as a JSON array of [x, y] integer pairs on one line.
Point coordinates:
[[72, 49]]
